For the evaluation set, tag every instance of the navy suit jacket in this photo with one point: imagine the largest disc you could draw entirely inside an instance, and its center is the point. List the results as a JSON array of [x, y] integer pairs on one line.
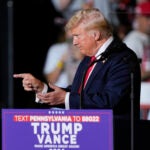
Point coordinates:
[[114, 83]]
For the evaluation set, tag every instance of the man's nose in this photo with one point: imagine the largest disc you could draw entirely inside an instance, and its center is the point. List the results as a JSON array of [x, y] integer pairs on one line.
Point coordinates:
[[75, 42]]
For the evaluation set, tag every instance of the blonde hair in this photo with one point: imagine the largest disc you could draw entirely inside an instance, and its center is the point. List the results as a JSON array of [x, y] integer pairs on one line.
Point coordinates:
[[91, 19]]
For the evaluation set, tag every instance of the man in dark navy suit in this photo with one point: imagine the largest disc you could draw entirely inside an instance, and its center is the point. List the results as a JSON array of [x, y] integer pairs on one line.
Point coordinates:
[[110, 81], [114, 78], [109, 84]]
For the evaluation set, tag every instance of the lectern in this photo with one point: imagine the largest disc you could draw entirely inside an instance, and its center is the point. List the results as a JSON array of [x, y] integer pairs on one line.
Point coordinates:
[[48, 129]]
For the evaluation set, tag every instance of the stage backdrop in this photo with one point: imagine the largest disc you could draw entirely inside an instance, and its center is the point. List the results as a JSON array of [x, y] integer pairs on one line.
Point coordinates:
[[44, 129]]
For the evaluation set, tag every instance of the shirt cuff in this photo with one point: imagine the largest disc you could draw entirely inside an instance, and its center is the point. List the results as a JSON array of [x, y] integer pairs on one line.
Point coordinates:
[[67, 101], [45, 89]]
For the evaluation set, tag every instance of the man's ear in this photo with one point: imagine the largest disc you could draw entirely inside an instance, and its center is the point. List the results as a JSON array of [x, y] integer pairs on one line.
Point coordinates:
[[97, 35]]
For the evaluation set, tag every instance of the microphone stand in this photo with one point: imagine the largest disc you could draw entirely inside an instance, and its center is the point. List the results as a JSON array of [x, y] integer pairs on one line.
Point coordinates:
[[132, 102], [132, 105], [132, 110]]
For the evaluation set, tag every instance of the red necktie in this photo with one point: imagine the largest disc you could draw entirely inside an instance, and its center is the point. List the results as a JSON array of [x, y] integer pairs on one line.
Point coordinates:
[[93, 58]]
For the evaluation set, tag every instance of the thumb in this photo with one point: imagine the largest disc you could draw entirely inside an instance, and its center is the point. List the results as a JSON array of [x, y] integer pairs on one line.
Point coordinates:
[[52, 86]]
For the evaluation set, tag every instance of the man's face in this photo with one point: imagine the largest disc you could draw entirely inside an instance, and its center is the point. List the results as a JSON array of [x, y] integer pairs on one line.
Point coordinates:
[[84, 40], [145, 23]]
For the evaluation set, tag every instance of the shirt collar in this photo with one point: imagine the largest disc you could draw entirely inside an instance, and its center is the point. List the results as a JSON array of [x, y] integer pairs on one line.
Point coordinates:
[[103, 47]]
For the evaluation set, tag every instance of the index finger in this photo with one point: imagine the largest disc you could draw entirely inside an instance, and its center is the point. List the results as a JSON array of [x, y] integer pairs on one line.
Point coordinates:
[[21, 75]]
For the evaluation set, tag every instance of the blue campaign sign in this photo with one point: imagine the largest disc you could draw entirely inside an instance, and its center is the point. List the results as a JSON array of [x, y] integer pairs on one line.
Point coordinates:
[[46, 129]]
